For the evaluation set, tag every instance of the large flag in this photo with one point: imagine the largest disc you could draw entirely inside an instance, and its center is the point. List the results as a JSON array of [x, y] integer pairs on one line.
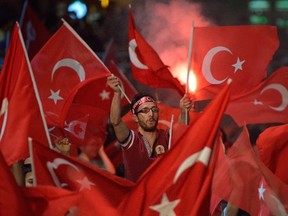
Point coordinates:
[[62, 72], [96, 185], [21, 113], [272, 145], [35, 34], [179, 182], [147, 67], [243, 180], [242, 53], [265, 103], [12, 200]]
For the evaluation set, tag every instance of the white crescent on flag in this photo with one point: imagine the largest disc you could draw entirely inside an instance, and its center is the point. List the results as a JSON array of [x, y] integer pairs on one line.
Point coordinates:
[[206, 66]]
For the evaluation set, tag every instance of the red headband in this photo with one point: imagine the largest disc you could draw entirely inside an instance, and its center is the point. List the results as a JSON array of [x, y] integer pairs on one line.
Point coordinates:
[[141, 101]]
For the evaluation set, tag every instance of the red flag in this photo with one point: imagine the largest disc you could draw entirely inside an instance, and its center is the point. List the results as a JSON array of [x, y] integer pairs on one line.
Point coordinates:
[[95, 185], [272, 146], [35, 34], [147, 67], [58, 73], [242, 179], [265, 103], [86, 122], [20, 115], [242, 53], [48, 200], [12, 201], [179, 182]]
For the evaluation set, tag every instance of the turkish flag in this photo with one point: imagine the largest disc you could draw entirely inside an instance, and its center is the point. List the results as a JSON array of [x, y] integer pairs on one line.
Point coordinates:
[[147, 67], [179, 182], [35, 34], [84, 123], [243, 180], [59, 71], [265, 103], [12, 200], [46, 200], [96, 185], [241, 53], [272, 146], [20, 115]]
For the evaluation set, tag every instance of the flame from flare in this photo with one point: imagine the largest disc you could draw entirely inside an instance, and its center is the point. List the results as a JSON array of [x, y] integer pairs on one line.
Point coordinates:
[[180, 71]]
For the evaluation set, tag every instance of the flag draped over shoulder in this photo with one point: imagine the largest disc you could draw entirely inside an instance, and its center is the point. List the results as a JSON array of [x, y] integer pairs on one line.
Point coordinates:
[[101, 191], [20, 115], [147, 67], [179, 182], [12, 201], [243, 180], [270, 98], [242, 53], [272, 145], [35, 34], [60, 73]]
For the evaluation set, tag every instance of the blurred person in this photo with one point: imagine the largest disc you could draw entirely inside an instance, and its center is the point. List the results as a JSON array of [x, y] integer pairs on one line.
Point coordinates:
[[141, 147], [27, 171], [92, 151]]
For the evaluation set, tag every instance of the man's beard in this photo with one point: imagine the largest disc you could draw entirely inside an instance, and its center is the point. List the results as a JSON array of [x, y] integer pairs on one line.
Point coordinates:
[[146, 128]]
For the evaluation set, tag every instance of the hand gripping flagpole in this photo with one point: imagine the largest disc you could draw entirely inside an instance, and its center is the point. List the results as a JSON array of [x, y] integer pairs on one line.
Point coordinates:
[[189, 66]]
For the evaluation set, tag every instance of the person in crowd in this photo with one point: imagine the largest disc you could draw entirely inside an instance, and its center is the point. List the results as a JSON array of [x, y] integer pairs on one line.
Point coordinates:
[[27, 171], [142, 147], [92, 151]]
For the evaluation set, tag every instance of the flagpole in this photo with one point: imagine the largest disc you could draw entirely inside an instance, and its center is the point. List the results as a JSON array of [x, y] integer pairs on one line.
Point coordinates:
[[30, 143], [23, 13], [170, 131], [36, 91], [189, 65]]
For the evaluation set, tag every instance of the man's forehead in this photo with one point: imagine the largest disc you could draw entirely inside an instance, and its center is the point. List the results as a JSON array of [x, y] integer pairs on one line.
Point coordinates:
[[147, 104]]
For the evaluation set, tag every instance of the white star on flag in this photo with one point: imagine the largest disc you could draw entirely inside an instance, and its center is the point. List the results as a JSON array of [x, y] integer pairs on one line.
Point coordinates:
[[256, 102], [238, 65], [166, 208], [261, 191], [55, 96], [104, 95], [85, 183]]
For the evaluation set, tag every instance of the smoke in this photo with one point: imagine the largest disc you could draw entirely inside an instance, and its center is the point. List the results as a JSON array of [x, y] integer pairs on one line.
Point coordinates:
[[167, 28]]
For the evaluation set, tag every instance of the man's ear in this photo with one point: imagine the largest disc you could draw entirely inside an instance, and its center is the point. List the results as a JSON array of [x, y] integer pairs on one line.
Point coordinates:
[[135, 118]]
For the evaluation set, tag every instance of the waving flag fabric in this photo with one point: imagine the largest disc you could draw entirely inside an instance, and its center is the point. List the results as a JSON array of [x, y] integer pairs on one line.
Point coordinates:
[[58, 73], [272, 146], [242, 53], [265, 103], [21, 113], [101, 191], [147, 67], [12, 201], [179, 182], [242, 179]]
